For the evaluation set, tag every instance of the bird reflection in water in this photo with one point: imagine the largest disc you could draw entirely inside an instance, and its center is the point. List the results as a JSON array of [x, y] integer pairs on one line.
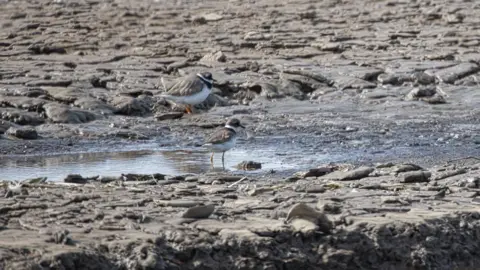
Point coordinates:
[[187, 161]]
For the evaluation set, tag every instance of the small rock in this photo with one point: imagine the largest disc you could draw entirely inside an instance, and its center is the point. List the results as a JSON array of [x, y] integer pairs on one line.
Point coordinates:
[[406, 168], [423, 78], [249, 165], [191, 179], [127, 105], [420, 92], [212, 17], [199, 20], [22, 133], [305, 212], [63, 114], [218, 56], [355, 174], [142, 177], [435, 99], [315, 172], [76, 179], [201, 211], [330, 207], [168, 116], [415, 177], [304, 226], [329, 46]]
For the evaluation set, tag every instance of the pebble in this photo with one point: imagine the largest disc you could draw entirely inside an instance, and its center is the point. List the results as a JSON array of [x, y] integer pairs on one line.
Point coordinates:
[[414, 177], [24, 133], [201, 211], [305, 212], [354, 174]]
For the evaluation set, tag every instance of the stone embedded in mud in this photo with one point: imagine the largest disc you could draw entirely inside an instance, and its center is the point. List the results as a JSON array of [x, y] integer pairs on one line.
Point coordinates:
[[415, 177], [292, 89], [142, 177], [256, 36], [63, 114], [249, 165], [423, 78], [128, 105], [212, 17], [25, 133], [75, 178], [305, 212], [21, 117], [329, 207], [168, 116], [93, 104], [198, 212], [336, 47], [406, 168], [46, 49], [268, 90], [213, 57], [315, 172], [421, 92], [61, 236], [435, 99], [354, 174]]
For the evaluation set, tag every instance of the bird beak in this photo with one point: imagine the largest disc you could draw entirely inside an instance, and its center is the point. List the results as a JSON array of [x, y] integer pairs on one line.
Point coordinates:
[[241, 126]]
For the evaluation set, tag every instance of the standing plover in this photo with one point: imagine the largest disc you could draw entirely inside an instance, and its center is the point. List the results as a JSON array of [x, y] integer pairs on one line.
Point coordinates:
[[223, 139], [190, 90]]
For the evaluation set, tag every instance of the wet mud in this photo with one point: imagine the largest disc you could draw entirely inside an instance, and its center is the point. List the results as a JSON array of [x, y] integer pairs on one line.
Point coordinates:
[[365, 117]]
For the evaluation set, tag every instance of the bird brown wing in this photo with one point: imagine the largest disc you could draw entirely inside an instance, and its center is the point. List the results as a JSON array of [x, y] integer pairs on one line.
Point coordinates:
[[220, 136], [186, 86]]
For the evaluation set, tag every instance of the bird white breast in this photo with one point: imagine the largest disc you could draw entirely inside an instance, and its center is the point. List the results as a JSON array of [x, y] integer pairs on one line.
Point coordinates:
[[196, 98], [222, 147]]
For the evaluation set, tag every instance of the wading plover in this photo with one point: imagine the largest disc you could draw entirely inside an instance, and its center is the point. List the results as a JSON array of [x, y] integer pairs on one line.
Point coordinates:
[[223, 139], [190, 90]]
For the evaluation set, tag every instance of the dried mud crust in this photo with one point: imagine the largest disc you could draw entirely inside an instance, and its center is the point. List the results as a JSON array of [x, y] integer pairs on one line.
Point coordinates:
[[391, 216]]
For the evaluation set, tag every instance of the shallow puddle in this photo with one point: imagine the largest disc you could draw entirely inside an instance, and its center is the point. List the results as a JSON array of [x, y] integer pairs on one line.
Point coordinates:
[[284, 155], [169, 162]]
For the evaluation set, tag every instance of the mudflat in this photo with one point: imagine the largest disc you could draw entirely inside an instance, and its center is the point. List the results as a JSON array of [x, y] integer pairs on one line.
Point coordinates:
[[388, 88]]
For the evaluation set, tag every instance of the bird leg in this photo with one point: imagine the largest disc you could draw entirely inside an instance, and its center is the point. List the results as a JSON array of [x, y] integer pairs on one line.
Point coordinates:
[[211, 158], [223, 160], [188, 109]]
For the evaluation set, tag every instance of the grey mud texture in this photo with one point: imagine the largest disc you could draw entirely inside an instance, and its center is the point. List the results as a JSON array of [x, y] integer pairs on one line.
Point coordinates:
[[363, 77]]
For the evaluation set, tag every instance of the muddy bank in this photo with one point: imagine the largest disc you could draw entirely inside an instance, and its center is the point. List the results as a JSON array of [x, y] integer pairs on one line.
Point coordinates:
[[389, 216], [87, 73]]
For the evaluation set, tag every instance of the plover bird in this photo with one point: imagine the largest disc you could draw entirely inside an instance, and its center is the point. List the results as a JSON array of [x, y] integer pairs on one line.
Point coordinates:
[[190, 90], [223, 139]]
